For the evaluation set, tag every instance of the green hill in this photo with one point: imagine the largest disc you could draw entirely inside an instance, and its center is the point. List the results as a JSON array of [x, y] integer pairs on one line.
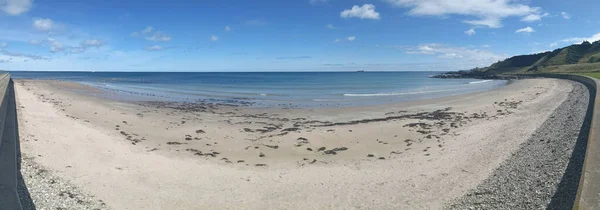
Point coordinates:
[[584, 57]]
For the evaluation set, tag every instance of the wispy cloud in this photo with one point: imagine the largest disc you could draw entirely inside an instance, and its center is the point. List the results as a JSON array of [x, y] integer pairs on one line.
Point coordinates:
[[22, 55], [159, 37], [351, 38], [15, 7], [579, 40], [367, 11], [534, 17], [228, 29], [470, 32], [43, 25], [214, 38], [154, 48], [92, 43], [488, 13], [151, 34], [330, 26], [525, 30], [294, 58], [565, 15], [464, 54]]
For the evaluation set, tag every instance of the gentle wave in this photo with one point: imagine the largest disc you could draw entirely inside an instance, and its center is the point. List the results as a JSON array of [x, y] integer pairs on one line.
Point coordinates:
[[401, 93], [371, 94], [329, 100], [482, 81]]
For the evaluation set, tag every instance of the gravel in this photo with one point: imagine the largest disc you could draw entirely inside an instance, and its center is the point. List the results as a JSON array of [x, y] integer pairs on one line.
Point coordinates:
[[40, 189], [544, 173]]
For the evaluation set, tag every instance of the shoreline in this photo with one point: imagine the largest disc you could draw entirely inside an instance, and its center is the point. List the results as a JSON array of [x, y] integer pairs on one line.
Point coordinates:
[[131, 93], [377, 150]]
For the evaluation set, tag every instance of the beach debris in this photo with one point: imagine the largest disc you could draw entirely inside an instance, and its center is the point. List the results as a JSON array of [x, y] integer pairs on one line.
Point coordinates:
[[271, 146], [290, 129], [175, 143], [261, 155], [322, 149], [301, 141], [260, 165], [200, 131], [419, 124], [370, 155], [381, 158], [335, 150]]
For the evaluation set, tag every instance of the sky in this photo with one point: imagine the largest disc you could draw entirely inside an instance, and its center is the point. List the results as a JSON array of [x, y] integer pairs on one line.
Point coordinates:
[[284, 35]]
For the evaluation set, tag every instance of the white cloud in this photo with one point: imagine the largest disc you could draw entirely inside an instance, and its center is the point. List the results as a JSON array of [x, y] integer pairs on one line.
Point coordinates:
[[154, 48], [148, 30], [337, 40], [3, 45], [13, 55], [55, 46], [351, 38], [367, 11], [477, 57], [214, 38], [470, 32], [152, 35], [91, 43], [15, 7], [159, 36], [525, 30], [43, 25], [579, 40], [565, 15], [534, 17], [485, 46], [227, 28], [554, 44], [330, 26], [488, 13]]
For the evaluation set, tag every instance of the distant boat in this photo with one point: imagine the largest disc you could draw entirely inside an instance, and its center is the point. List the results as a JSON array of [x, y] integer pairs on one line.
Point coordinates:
[[360, 71]]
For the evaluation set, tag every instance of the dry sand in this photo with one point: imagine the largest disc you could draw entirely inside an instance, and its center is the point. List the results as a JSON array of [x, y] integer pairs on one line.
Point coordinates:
[[415, 155]]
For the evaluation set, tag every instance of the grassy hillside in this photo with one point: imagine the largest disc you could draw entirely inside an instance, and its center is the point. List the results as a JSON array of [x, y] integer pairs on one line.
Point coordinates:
[[583, 57]]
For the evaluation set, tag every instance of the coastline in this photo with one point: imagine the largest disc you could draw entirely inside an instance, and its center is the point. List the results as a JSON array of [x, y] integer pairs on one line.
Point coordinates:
[[425, 145]]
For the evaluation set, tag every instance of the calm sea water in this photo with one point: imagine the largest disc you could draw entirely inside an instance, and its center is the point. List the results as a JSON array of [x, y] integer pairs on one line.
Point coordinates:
[[303, 89]]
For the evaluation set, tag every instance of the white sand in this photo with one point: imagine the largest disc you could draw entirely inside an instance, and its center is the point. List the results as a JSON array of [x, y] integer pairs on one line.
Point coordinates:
[[61, 128]]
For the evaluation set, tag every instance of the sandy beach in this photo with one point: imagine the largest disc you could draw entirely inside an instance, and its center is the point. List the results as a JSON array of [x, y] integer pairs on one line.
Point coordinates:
[[422, 154]]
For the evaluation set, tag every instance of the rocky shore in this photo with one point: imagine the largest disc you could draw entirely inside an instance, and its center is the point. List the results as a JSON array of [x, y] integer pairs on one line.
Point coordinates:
[[544, 173]]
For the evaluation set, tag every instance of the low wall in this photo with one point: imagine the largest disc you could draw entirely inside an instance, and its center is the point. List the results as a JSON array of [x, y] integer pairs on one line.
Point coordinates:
[[588, 190], [9, 168]]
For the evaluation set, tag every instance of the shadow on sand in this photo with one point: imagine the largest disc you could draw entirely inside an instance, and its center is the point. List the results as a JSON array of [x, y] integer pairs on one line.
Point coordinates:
[[23, 191], [566, 193]]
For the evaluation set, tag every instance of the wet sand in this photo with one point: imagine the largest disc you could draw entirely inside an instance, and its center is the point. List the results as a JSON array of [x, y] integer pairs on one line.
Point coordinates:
[[158, 155]]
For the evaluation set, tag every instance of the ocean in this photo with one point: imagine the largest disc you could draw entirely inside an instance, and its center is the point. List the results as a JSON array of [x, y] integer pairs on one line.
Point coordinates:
[[269, 89]]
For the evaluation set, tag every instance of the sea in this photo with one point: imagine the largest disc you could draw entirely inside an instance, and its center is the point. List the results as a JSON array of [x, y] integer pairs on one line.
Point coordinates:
[[271, 89]]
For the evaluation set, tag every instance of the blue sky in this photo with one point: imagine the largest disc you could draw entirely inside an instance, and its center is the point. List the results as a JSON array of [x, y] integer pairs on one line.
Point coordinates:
[[284, 35]]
